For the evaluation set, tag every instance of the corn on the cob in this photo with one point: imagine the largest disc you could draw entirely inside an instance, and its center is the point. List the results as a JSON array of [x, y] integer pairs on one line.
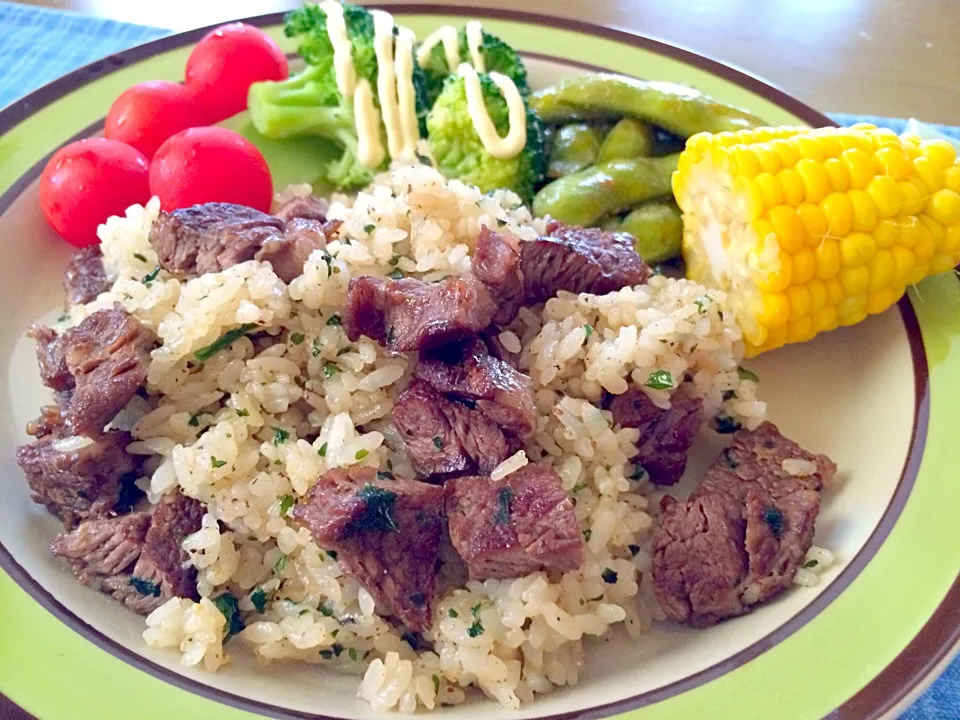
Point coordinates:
[[809, 230]]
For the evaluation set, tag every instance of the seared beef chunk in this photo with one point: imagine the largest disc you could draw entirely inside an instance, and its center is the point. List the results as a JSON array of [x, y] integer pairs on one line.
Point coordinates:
[[214, 236], [50, 422], [408, 314], [665, 435], [386, 533], [741, 536], [496, 263], [77, 478], [107, 356], [308, 208], [51, 359], [579, 260], [211, 237], [472, 374], [103, 547], [85, 277], [160, 573], [444, 437], [519, 525]]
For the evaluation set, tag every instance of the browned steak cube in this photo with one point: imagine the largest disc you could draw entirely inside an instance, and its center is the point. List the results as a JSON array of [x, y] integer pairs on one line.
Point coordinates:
[[85, 276], [308, 208], [289, 252], [445, 438], [514, 526], [103, 547], [50, 422], [496, 263], [666, 436], [160, 573], [767, 488], [579, 260], [408, 314], [51, 359], [78, 478], [107, 354], [386, 533], [211, 237], [472, 374]]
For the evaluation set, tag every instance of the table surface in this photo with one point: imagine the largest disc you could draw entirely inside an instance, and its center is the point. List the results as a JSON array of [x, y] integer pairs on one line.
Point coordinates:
[[877, 57]]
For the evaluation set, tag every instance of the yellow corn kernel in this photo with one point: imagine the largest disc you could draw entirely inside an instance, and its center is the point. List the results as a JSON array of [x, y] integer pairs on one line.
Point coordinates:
[[857, 249], [719, 158], [923, 249], [886, 233], [879, 300], [799, 297], [804, 266], [862, 167], [835, 292], [818, 294], [748, 202], [825, 319], [940, 152], [886, 195], [944, 206], [769, 189], [852, 309], [918, 273], [791, 185], [775, 280], [801, 330], [816, 182], [777, 337], [774, 310], [839, 213], [951, 178], [813, 221], [894, 162], [937, 231], [837, 172], [745, 161], [854, 279], [951, 240], [827, 255], [786, 224], [903, 261], [942, 263], [908, 225], [882, 270], [864, 211], [788, 154], [914, 196], [929, 173]]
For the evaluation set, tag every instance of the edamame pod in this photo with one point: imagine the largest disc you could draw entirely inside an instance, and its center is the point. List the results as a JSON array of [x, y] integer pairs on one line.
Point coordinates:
[[679, 109], [629, 138], [586, 197], [657, 227], [575, 146]]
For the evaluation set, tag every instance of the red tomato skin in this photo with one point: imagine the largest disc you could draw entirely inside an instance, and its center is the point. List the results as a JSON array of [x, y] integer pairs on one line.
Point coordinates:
[[149, 112], [210, 164], [89, 180], [226, 62]]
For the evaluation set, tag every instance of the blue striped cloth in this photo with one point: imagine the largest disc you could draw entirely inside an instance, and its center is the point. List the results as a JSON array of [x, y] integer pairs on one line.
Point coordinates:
[[38, 45]]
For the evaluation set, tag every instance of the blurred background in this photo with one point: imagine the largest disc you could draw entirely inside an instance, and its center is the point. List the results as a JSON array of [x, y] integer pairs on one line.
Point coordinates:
[[877, 57]]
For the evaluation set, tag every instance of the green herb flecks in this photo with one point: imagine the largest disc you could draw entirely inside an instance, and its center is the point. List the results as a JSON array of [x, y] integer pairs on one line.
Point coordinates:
[[150, 276], [243, 412], [502, 516], [361, 454], [702, 303], [330, 369], [280, 564], [810, 564], [369, 228], [259, 599], [322, 452], [578, 487], [394, 261], [352, 652], [326, 610], [332, 554], [587, 332], [659, 380], [395, 274], [223, 342], [378, 513], [316, 346], [144, 587], [747, 374], [228, 607], [334, 320], [286, 503], [280, 436], [476, 629], [140, 257], [297, 338], [194, 420], [216, 462], [452, 613], [587, 534]]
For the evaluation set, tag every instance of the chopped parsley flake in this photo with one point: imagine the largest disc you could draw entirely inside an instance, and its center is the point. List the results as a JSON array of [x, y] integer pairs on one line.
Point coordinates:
[[436, 683], [280, 564], [810, 564], [747, 374], [609, 576], [344, 351], [724, 424], [702, 303], [452, 613], [259, 599], [476, 629], [243, 412], [659, 380], [326, 610], [361, 454], [280, 436], [332, 554], [378, 513], [228, 607], [502, 516], [322, 452], [316, 346], [140, 257], [578, 487], [438, 442], [335, 320], [304, 611], [223, 342], [588, 329], [352, 652], [395, 274], [330, 369], [369, 228], [216, 463], [194, 420], [150, 276], [587, 534], [394, 260], [285, 504], [297, 338], [144, 587]]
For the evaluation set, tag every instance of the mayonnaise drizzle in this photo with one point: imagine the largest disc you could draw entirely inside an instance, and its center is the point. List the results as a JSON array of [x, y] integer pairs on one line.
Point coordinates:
[[369, 147], [516, 138], [451, 46], [475, 45], [342, 58]]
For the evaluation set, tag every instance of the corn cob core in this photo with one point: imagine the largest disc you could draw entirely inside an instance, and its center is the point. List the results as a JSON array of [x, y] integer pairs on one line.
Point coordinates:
[[808, 230]]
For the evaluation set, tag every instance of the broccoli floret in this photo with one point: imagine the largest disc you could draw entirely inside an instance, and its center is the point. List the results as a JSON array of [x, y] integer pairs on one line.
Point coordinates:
[[497, 56], [459, 152], [310, 102]]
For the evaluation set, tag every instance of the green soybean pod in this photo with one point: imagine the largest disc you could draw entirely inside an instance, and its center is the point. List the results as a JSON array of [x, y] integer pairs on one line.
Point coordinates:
[[587, 196], [681, 110], [657, 227], [575, 146], [629, 138]]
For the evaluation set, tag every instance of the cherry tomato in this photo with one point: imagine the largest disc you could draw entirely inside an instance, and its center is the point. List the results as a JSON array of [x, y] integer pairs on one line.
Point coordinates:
[[226, 62], [87, 181], [210, 164], [150, 112]]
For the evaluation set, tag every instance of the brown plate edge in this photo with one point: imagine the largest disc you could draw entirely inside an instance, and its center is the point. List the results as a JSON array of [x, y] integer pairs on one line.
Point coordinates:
[[924, 655]]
